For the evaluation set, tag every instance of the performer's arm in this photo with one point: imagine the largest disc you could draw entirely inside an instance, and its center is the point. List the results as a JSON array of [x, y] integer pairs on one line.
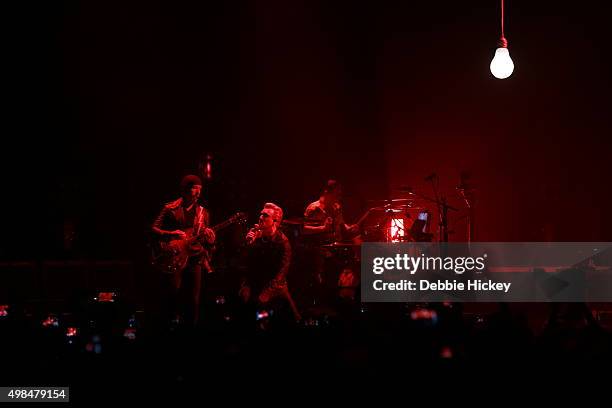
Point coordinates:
[[312, 229], [347, 229], [350, 229], [310, 226], [159, 223], [252, 235]]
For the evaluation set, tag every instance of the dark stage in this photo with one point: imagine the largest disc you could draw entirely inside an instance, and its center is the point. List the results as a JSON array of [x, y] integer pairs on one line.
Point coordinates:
[[310, 127]]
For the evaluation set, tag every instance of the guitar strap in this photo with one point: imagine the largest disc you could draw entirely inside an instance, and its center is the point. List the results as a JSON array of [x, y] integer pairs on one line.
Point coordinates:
[[197, 220]]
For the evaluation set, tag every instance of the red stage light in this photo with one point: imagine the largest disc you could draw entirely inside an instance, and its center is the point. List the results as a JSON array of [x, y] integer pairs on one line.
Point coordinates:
[[50, 321], [130, 333], [3, 310], [424, 314], [446, 352], [106, 297], [396, 230], [263, 314], [71, 331]]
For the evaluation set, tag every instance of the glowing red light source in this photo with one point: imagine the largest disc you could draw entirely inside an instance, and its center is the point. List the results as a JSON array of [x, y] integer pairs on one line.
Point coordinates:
[[3, 310], [50, 321], [106, 297], [424, 314], [263, 315], [71, 331], [130, 333], [207, 167], [396, 230]]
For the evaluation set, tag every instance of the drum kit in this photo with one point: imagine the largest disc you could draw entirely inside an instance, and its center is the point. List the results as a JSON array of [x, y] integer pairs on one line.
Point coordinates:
[[388, 220], [393, 220]]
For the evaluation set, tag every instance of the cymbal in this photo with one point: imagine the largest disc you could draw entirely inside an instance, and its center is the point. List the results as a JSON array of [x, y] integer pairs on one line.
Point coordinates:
[[392, 200], [394, 209], [340, 245], [399, 208], [405, 189]]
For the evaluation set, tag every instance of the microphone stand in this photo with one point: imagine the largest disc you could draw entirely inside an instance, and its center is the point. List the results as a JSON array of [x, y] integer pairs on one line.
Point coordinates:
[[442, 206], [468, 197]]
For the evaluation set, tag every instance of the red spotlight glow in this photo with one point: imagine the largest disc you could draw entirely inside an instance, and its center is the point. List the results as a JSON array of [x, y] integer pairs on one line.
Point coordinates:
[[71, 331], [264, 314], [446, 352], [424, 314], [106, 297], [130, 333], [50, 321], [396, 230]]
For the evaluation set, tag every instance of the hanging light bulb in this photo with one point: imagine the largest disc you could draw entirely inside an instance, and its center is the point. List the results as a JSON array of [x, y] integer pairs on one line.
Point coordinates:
[[502, 65]]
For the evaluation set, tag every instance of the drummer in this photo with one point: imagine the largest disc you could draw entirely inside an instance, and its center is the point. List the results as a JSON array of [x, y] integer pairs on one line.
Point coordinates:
[[323, 220], [324, 225]]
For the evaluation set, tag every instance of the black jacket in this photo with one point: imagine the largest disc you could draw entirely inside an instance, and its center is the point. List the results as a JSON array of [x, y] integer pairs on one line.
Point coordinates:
[[172, 217]]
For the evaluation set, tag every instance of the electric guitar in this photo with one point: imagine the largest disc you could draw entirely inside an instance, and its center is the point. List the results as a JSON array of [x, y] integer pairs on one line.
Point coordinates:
[[171, 255]]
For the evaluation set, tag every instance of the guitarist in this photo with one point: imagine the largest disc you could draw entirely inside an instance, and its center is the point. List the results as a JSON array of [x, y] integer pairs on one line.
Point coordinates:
[[176, 220]]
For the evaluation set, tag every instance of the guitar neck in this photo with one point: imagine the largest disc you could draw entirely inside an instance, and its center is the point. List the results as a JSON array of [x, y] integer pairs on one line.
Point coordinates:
[[222, 225], [232, 220]]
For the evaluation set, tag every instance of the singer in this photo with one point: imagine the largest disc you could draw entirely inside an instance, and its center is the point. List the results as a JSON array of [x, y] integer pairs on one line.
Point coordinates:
[[268, 260]]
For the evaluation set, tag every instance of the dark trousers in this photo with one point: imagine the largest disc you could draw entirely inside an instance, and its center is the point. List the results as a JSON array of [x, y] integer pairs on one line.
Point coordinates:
[[181, 294]]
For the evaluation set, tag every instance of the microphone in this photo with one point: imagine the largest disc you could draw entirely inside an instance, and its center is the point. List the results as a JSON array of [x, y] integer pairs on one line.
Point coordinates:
[[256, 228]]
